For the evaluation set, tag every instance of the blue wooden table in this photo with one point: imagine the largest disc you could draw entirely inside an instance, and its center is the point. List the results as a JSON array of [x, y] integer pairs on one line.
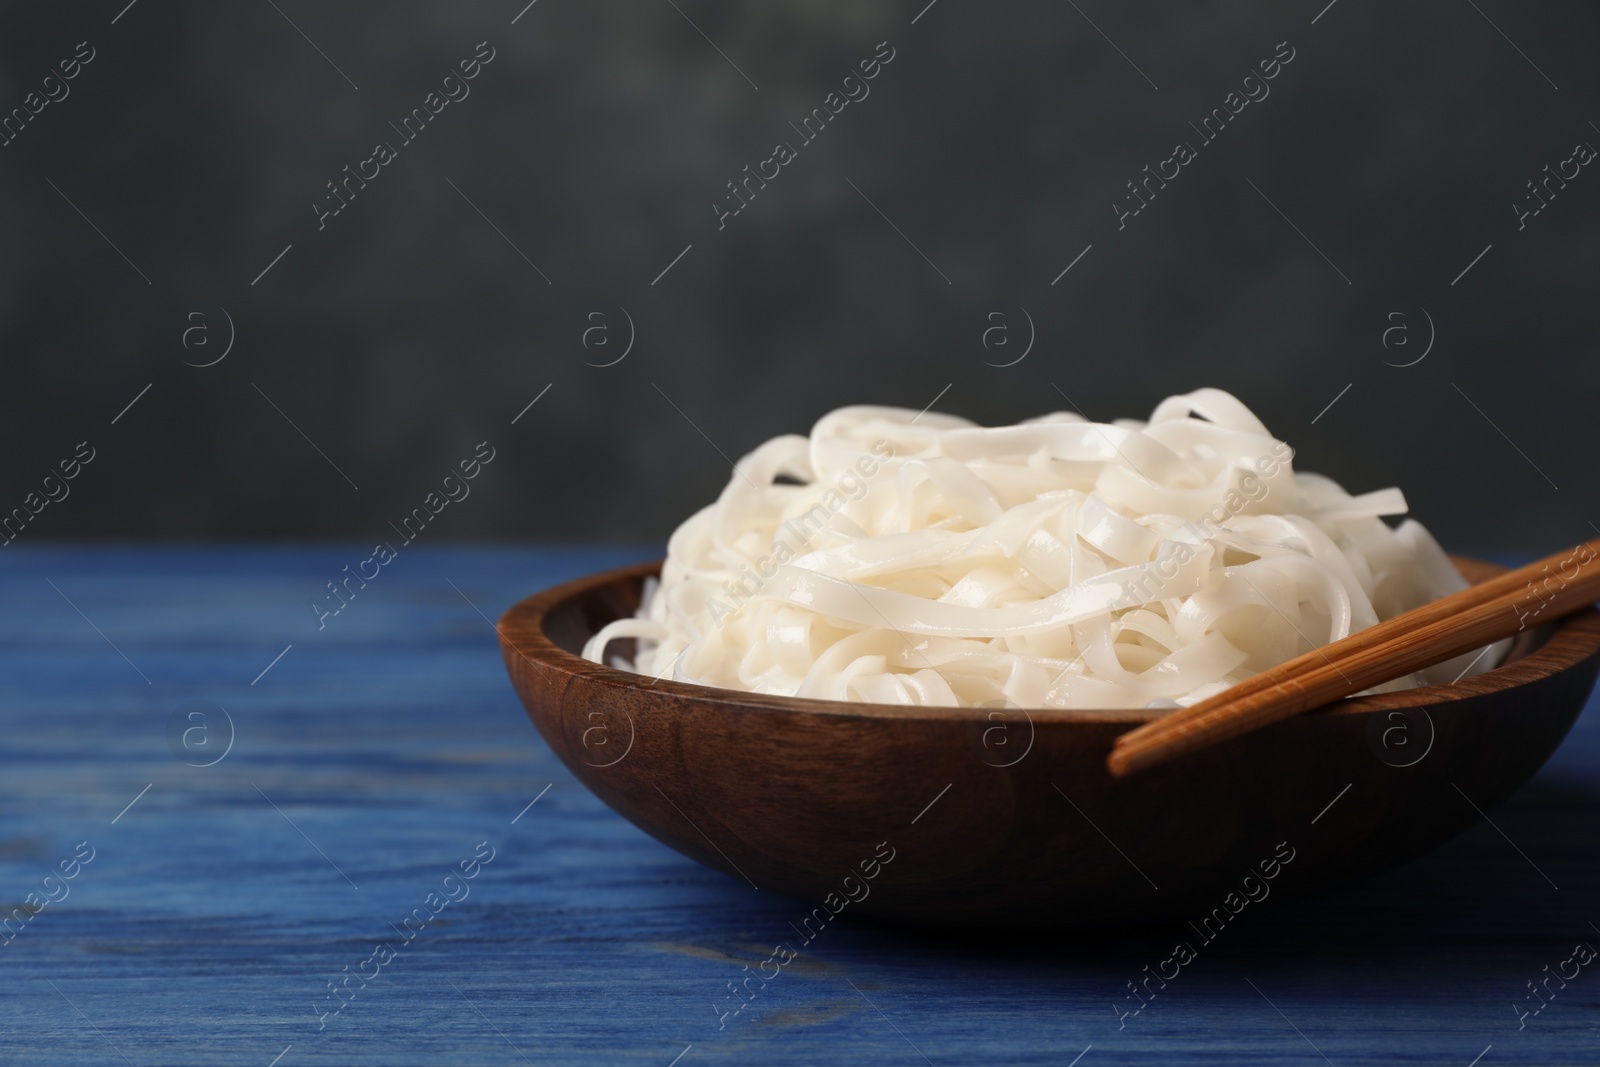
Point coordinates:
[[387, 866]]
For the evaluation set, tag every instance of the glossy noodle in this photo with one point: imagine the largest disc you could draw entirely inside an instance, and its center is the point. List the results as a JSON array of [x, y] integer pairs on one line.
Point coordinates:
[[898, 558]]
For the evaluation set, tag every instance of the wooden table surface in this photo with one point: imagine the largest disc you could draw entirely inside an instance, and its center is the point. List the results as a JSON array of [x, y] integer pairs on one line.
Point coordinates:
[[380, 753]]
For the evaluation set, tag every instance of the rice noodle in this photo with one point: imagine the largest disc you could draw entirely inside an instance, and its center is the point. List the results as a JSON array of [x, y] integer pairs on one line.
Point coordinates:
[[905, 558]]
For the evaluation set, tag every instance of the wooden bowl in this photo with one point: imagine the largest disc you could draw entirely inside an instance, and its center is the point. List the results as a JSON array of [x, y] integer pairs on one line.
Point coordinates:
[[1008, 818]]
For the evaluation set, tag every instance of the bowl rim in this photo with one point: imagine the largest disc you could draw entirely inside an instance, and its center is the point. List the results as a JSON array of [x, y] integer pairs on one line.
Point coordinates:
[[1565, 643]]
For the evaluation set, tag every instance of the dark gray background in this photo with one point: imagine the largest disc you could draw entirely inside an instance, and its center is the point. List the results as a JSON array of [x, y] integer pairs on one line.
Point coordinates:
[[597, 140]]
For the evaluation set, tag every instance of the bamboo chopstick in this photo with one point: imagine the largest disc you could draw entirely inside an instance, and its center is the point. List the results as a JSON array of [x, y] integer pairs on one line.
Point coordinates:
[[1520, 579], [1478, 615]]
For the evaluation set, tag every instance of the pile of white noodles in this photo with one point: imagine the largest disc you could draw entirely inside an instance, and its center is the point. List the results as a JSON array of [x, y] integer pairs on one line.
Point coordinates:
[[900, 558]]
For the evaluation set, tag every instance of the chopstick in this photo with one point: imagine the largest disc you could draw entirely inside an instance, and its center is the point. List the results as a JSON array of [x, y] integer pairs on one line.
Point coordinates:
[[1443, 608], [1477, 616]]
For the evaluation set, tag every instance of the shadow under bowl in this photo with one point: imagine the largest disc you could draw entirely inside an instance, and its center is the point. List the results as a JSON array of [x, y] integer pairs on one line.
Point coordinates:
[[1007, 818]]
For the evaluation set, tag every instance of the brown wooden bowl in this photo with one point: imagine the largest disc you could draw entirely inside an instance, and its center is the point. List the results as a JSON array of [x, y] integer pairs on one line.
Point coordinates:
[[1008, 818]]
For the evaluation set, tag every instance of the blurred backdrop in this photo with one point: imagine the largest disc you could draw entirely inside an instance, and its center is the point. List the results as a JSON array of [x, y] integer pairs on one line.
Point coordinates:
[[278, 266]]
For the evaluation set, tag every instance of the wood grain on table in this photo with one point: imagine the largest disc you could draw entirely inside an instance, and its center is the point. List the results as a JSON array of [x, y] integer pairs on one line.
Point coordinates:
[[375, 756]]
